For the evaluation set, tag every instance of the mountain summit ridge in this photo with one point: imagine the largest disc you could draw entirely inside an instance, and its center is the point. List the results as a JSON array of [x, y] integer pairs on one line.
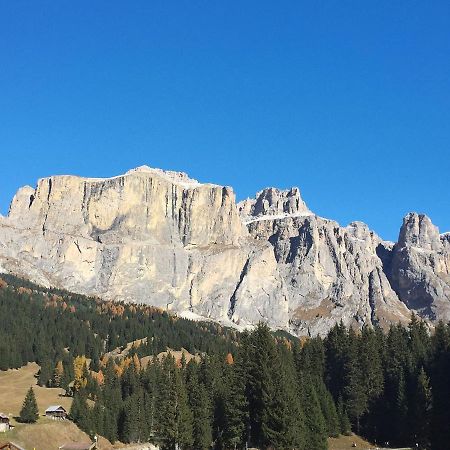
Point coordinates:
[[160, 237]]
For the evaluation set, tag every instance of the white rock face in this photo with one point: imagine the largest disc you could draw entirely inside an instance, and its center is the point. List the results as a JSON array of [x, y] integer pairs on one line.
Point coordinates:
[[148, 236], [161, 238]]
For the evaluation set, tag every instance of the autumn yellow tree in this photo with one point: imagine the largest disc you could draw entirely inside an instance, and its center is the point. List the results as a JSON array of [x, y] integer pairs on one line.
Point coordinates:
[[136, 362], [58, 374], [100, 377], [79, 381]]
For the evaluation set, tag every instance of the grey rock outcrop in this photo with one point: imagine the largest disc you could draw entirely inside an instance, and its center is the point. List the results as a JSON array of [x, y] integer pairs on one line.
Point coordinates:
[[148, 236], [331, 273], [272, 203], [161, 238], [420, 268]]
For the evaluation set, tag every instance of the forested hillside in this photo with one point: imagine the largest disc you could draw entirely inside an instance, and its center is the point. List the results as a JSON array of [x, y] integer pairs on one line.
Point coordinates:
[[48, 325], [256, 388]]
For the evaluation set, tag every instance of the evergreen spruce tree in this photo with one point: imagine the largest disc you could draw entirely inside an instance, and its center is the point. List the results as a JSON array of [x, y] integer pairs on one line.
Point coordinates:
[[29, 412], [151, 380], [355, 391], [440, 431], [335, 351], [261, 383], [419, 425], [419, 341], [211, 375], [175, 417], [132, 418], [285, 427], [45, 373], [80, 413], [315, 429], [95, 363], [184, 419], [166, 405], [344, 421], [311, 357], [97, 417], [111, 398], [201, 409], [401, 411], [109, 423], [235, 404], [371, 369], [328, 409]]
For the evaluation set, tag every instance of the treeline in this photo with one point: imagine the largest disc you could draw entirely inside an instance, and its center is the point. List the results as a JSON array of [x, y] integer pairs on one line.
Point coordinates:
[[46, 326], [274, 393], [257, 389], [260, 396], [395, 387]]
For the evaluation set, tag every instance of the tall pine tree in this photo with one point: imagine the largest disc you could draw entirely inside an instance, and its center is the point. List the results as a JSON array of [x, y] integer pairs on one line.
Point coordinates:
[[29, 412]]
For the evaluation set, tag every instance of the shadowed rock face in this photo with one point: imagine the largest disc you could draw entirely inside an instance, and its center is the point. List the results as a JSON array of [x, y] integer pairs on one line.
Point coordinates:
[[161, 238], [420, 268], [331, 271]]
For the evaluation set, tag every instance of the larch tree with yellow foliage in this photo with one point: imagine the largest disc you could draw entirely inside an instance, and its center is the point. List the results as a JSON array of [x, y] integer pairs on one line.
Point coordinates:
[[80, 380], [58, 374]]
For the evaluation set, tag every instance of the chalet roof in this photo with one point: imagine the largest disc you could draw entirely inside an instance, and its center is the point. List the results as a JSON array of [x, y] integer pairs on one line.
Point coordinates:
[[77, 446], [3, 416], [10, 445], [54, 408]]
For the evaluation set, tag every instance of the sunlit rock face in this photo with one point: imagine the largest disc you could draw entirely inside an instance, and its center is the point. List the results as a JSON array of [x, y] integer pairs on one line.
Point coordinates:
[[148, 236], [162, 238], [331, 273]]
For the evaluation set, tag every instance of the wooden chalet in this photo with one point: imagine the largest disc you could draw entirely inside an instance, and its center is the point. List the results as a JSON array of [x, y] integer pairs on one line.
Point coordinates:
[[4, 423], [10, 446], [56, 412]]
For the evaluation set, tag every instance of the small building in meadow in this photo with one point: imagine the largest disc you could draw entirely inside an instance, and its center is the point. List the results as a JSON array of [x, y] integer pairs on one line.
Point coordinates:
[[10, 446], [4, 423], [56, 412]]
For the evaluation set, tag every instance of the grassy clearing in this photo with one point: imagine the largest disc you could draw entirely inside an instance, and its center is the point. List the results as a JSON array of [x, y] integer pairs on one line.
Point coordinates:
[[14, 384], [346, 442], [46, 434]]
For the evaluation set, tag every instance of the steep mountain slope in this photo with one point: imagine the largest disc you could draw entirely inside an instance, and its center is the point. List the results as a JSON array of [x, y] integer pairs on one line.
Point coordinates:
[[161, 238], [420, 267], [147, 236], [331, 273]]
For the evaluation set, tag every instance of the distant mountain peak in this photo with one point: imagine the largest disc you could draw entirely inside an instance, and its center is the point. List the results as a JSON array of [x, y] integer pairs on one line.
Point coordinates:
[[272, 203]]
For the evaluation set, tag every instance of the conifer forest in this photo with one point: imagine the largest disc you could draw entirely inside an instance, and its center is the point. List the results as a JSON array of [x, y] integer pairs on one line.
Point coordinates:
[[229, 389]]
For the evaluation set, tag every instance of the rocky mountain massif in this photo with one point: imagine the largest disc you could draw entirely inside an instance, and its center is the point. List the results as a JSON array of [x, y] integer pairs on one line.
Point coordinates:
[[158, 237]]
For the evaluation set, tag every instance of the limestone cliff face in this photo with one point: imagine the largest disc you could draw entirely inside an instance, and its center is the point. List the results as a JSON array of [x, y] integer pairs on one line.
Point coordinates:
[[161, 238], [274, 204], [331, 273], [420, 267], [144, 204], [148, 236]]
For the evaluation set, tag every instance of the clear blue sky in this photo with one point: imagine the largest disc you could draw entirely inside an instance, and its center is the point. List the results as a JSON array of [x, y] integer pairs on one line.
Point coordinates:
[[349, 100]]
